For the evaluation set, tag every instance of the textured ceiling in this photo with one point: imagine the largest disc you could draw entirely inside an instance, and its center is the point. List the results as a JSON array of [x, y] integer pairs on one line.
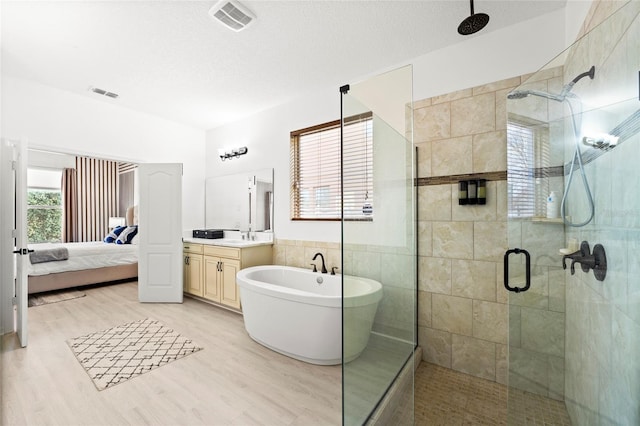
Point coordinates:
[[170, 58]]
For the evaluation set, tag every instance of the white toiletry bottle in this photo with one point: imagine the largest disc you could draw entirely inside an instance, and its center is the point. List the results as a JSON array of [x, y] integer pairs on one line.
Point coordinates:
[[553, 206]]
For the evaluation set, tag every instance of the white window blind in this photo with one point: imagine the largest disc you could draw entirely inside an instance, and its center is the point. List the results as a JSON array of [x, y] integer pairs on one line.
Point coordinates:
[[315, 171], [520, 170]]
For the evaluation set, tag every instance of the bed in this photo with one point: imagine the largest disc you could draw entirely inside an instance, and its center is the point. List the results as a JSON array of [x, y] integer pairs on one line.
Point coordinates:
[[87, 263]]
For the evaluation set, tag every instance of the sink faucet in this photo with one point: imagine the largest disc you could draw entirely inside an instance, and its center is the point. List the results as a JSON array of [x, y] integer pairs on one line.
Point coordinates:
[[248, 235], [324, 268]]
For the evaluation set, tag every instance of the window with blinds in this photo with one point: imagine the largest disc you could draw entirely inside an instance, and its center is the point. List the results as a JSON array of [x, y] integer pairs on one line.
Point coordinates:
[[520, 170], [315, 171]]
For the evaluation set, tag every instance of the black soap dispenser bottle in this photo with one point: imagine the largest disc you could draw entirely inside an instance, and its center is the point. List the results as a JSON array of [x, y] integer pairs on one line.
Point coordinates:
[[482, 191], [462, 192], [472, 192]]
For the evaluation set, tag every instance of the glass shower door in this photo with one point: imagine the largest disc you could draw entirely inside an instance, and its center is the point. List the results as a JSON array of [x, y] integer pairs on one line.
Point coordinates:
[[574, 228], [378, 244]]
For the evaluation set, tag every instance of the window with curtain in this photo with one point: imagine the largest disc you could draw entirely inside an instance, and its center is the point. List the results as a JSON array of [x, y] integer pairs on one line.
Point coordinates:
[[44, 206], [315, 170]]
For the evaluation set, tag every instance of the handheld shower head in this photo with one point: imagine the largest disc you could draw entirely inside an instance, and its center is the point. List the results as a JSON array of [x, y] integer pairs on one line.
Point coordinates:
[[564, 93], [519, 94]]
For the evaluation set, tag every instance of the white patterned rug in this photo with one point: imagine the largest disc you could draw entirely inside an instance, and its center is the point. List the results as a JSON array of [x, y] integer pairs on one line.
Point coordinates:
[[120, 353]]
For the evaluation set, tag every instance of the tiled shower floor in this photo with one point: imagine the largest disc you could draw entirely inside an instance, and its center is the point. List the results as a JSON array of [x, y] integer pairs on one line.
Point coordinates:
[[447, 397]]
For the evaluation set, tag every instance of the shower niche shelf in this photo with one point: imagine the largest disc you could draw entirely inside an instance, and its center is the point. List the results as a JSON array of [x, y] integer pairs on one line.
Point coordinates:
[[542, 219]]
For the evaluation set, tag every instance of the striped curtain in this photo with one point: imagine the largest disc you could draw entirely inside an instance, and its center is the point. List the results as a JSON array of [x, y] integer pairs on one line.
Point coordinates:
[[97, 195], [70, 208]]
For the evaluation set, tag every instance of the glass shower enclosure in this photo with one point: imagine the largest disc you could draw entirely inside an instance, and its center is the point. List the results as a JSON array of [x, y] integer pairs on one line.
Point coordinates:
[[574, 230], [379, 244]]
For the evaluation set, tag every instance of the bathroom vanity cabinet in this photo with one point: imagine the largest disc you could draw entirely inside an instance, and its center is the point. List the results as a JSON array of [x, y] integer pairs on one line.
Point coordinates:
[[193, 272], [210, 271]]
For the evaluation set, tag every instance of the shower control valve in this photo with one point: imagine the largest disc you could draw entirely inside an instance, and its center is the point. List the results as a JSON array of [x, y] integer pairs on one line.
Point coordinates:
[[587, 260]]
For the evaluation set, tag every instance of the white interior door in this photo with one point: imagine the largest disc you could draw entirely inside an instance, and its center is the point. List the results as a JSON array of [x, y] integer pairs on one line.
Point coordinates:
[[22, 259], [13, 233], [7, 240], [160, 228]]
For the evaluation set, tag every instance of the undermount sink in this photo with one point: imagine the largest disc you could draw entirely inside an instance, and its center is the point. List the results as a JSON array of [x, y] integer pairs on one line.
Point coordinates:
[[238, 243], [230, 242]]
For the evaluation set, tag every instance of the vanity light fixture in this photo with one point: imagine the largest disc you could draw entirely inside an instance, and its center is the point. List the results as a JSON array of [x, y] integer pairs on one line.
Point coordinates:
[[232, 153]]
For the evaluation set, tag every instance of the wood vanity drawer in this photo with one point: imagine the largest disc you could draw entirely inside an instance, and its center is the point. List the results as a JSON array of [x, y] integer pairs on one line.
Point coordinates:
[[228, 252], [192, 248]]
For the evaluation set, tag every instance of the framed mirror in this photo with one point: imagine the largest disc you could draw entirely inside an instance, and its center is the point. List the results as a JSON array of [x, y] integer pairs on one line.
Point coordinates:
[[241, 201]]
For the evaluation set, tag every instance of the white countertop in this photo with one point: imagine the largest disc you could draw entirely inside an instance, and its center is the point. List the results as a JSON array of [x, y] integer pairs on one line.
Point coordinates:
[[227, 242]]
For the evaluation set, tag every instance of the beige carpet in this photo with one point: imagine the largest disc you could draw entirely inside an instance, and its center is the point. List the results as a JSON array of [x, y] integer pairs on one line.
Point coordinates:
[[40, 299], [120, 353]]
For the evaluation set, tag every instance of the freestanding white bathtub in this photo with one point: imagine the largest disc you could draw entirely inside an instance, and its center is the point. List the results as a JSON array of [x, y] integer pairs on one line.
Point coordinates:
[[297, 312]]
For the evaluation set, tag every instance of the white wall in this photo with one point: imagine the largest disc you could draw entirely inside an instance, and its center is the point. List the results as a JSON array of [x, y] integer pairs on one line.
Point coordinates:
[[50, 160], [513, 51], [509, 52], [56, 120], [575, 14], [266, 135]]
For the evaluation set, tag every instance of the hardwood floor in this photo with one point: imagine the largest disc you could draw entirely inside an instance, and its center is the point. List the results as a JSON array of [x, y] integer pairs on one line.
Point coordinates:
[[232, 381]]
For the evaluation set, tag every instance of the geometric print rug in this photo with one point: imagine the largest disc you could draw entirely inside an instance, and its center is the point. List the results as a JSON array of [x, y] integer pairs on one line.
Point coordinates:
[[120, 353]]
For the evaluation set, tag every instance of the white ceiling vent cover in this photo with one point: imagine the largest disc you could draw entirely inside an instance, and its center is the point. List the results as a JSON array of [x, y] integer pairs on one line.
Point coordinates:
[[232, 14]]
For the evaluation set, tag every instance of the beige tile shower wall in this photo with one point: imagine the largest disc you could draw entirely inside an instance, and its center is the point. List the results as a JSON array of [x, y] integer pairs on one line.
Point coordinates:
[[463, 308], [299, 253], [603, 317], [462, 312]]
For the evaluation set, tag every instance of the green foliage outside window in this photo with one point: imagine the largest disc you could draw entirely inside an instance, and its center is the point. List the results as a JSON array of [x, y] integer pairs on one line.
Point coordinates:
[[44, 215]]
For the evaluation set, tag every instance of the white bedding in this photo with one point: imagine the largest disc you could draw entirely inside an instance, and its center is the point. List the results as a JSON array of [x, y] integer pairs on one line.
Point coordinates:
[[89, 255]]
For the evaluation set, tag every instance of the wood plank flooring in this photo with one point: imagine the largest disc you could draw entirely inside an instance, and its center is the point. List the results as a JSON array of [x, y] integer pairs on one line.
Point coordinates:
[[232, 381]]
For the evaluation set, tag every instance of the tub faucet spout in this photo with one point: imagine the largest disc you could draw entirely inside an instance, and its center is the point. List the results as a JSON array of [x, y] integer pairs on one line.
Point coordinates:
[[324, 268]]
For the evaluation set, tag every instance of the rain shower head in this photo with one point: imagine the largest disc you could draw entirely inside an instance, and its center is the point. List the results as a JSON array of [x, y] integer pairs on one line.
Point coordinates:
[[473, 23]]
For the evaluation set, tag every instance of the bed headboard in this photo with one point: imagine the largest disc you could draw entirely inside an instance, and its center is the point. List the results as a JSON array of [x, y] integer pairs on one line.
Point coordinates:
[[132, 216]]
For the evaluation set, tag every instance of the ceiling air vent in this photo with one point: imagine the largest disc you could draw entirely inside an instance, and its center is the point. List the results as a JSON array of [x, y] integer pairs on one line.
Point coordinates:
[[103, 92], [232, 14]]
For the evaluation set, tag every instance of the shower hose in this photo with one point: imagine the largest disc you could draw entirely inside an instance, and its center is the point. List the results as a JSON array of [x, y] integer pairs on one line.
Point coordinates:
[[576, 161]]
